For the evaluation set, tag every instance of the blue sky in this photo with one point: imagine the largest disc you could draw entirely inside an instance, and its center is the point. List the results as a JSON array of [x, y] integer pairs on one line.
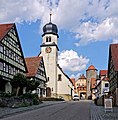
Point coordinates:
[[86, 28]]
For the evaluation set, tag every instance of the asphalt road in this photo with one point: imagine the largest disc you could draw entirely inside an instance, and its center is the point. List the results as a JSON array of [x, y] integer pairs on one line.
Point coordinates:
[[65, 111]]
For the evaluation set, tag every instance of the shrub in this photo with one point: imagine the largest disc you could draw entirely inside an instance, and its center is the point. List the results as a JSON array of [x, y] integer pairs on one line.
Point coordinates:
[[35, 101], [29, 96]]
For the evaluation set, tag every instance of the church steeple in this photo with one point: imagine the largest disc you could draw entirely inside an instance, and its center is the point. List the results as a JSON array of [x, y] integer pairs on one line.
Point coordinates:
[[50, 14], [50, 28]]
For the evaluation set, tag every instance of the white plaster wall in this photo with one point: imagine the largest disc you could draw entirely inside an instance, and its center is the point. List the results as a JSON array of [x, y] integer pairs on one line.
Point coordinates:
[[50, 62], [64, 86], [103, 86], [53, 39]]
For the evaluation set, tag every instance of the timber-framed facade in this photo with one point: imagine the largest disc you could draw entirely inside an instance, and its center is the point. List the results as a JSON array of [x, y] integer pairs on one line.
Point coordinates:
[[11, 56]]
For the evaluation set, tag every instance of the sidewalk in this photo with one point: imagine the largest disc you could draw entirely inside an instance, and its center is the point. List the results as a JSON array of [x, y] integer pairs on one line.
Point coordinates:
[[9, 111], [98, 113]]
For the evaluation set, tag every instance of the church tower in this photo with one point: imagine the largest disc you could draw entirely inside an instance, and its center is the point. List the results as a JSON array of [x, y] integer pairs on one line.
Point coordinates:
[[49, 51]]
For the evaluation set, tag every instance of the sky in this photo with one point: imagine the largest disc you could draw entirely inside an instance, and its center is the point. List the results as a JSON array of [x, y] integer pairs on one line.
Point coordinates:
[[86, 28]]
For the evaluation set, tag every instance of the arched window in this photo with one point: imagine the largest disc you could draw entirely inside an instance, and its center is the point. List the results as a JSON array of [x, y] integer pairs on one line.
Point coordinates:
[[48, 39]]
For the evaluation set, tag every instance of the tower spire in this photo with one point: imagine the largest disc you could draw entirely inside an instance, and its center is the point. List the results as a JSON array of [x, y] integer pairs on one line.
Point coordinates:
[[50, 14]]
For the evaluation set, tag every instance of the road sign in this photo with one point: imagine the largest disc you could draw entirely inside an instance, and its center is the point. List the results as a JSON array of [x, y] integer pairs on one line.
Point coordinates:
[[108, 104]]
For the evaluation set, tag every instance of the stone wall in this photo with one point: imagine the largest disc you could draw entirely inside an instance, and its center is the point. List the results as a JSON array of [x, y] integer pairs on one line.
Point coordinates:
[[14, 102]]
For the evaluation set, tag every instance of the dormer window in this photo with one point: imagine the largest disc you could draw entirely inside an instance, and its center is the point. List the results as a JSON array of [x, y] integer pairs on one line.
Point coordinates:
[[48, 39]]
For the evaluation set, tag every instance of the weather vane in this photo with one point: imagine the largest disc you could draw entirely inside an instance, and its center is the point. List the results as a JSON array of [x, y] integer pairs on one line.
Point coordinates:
[[50, 14]]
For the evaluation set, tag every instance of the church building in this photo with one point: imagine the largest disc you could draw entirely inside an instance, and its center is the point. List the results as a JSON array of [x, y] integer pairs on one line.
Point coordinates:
[[59, 84]]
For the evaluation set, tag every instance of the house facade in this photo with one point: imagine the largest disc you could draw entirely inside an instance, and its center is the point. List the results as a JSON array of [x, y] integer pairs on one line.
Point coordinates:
[[113, 71], [65, 87], [36, 72], [102, 87], [11, 56], [81, 86]]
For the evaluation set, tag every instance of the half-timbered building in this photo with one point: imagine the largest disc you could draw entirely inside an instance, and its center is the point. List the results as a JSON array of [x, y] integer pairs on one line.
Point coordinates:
[[113, 71], [11, 56], [36, 71]]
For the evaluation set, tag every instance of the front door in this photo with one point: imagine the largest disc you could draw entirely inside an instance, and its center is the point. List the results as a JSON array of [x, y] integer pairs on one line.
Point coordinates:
[[48, 92]]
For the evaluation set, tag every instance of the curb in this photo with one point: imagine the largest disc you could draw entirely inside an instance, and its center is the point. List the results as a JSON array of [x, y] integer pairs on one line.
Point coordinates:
[[30, 108]]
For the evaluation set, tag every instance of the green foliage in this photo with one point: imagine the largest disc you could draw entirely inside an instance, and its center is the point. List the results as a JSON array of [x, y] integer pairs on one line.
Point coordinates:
[[3, 94], [35, 101], [19, 81], [32, 85], [29, 96]]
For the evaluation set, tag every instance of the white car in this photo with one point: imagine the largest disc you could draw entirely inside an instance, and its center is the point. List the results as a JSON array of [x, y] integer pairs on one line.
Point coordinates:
[[76, 97]]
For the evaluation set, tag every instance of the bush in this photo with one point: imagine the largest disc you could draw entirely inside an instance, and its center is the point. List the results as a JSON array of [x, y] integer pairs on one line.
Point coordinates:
[[3, 94], [29, 96], [35, 101]]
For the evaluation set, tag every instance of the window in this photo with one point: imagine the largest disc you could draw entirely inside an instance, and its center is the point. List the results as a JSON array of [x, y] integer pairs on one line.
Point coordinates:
[[6, 68], [7, 52], [1, 66], [59, 77], [16, 58], [11, 70], [106, 85], [1, 48], [48, 39], [48, 79]]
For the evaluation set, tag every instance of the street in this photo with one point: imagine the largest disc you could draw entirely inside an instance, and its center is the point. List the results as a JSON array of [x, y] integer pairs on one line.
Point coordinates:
[[74, 110]]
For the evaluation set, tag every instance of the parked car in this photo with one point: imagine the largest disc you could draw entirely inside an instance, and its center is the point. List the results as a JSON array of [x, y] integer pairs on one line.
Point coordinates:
[[76, 97]]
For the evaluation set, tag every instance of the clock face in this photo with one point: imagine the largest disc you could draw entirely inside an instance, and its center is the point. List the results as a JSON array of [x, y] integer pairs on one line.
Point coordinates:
[[48, 49]]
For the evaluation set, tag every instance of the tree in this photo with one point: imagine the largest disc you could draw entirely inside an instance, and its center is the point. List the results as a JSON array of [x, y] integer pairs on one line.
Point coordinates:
[[19, 81], [32, 85]]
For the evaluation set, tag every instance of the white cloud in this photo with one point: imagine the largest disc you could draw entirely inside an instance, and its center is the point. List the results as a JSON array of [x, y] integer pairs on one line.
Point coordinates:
[[91, 32], [22, 10], [115, 41], [69, 60], [90, 20], [75, 76]]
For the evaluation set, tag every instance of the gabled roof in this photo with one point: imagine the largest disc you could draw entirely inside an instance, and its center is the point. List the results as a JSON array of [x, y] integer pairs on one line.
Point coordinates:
[[82, 77], [33, 64], [103, 72], [64, 73], [91, 67], [4, 28], [105, 79], [113, 52]]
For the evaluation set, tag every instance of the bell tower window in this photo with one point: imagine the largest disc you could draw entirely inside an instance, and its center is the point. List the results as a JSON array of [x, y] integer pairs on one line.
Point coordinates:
[[48, 39]]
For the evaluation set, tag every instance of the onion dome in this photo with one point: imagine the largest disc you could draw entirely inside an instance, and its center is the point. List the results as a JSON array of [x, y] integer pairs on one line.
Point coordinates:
[[91, 68], [50, 28]]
